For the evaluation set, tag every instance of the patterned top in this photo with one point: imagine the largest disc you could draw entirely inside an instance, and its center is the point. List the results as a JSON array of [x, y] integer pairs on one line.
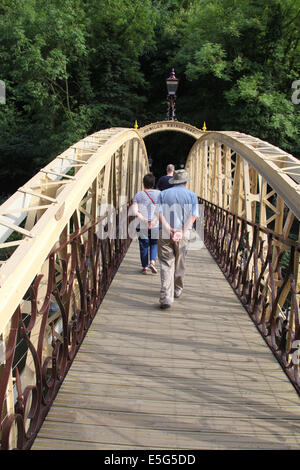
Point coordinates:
[[145, 206]]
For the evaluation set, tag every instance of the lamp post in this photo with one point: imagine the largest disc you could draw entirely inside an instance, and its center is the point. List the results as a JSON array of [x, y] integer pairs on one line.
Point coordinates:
[[172, 85]]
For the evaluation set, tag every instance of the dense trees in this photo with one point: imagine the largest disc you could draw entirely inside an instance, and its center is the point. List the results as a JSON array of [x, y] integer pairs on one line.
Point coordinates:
[[244, 56], [74, 66], [70, 67]]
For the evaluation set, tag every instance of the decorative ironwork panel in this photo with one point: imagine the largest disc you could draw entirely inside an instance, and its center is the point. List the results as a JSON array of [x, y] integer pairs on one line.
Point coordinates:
[[263, 269], [75, 286]]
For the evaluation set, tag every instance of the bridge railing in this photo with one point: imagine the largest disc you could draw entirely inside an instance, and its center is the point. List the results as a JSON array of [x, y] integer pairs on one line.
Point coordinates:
[[262, 268], [56, 270], [69, 222], [79, 272]]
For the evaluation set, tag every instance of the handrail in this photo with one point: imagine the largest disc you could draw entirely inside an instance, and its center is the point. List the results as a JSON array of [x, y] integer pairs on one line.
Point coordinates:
[[264, 274], [53, 283], [87, 272], [19, 270]]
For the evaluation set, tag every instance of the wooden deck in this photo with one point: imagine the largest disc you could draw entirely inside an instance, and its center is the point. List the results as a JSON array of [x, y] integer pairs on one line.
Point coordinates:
[[197, 376]]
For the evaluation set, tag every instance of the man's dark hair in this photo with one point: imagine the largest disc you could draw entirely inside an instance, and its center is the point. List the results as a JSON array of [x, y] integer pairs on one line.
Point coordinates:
[[149, 181]]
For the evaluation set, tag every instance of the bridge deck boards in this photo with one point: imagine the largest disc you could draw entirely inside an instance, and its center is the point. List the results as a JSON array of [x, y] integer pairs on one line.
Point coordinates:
[[197, 376]]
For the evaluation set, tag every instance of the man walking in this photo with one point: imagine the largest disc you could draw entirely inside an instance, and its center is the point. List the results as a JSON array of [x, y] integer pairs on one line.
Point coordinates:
[[163, 182], [177, 210]]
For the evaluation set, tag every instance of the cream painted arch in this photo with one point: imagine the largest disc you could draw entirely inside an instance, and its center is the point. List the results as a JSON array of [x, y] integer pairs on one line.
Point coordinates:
[[175, 126], [259, 166], [238, 172], [95, 170], [59, 261], [259, 182], [230, 169]]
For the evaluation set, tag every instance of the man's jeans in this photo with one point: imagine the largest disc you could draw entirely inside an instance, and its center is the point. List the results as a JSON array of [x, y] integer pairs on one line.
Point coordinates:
[[172, 267], [148, 246]]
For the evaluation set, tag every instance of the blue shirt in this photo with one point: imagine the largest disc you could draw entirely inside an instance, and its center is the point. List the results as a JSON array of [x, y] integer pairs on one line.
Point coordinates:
[[177, 205]]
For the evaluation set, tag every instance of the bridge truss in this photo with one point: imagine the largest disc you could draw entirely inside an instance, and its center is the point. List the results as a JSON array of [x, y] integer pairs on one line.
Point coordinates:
[[56, 268]]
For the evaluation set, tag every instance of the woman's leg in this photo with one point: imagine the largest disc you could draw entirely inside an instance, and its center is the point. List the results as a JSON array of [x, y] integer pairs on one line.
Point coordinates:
[[144, 247], [153, 251], [153, 247]]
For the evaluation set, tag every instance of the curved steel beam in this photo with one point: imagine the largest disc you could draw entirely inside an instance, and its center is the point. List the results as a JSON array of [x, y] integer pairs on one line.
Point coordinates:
[[175, 126], [280, 169], [95, 151]]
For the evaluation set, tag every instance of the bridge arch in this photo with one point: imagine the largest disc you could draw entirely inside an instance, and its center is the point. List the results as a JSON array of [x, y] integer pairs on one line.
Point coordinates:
[[51, 286], [53, 282], [168, 142], [175, 126], [242, 173], [94, 171]]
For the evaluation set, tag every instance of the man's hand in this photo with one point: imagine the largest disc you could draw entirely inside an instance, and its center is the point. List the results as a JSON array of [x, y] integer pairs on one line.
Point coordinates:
[[176, 235]]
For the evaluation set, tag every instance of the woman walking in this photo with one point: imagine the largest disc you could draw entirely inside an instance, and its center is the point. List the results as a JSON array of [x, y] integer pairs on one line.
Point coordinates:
[[143, 208]]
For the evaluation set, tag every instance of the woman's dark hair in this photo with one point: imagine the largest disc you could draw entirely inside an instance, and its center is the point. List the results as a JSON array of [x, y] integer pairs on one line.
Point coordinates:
[[149, 181]]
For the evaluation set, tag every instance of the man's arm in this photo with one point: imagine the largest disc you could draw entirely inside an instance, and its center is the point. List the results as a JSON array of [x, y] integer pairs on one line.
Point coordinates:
[[159, 214], [189, 223], [191, 219], [164, 222]]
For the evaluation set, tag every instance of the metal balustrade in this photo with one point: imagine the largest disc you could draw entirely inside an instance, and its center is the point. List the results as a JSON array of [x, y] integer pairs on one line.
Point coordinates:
[[262, 268], [55, 270], [80, 270]]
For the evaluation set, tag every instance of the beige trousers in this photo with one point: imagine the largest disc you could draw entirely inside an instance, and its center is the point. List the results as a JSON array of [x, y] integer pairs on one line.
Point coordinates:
[[172, 267]]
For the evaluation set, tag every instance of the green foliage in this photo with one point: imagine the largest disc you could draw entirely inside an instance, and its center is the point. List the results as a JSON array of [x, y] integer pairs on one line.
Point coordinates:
[[243, 56], [72, 67]]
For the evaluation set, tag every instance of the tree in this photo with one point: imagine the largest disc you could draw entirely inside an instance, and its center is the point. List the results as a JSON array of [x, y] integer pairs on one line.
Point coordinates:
[[70, 67], [240, 59]]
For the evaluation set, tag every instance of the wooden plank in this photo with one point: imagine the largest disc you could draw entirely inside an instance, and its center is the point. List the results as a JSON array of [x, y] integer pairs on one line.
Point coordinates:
[[203, 423], [197, 376], [167, 439], [136, 412]]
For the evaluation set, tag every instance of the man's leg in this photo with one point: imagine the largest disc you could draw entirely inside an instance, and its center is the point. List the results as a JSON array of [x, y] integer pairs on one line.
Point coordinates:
[[166, 257], [180, 255]]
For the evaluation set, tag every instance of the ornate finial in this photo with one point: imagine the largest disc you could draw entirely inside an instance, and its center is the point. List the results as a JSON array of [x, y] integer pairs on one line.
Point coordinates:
[[136, 125], [204, 127]]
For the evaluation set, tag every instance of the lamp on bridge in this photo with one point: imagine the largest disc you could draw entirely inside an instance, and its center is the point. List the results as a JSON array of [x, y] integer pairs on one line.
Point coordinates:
[[172, 85]]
